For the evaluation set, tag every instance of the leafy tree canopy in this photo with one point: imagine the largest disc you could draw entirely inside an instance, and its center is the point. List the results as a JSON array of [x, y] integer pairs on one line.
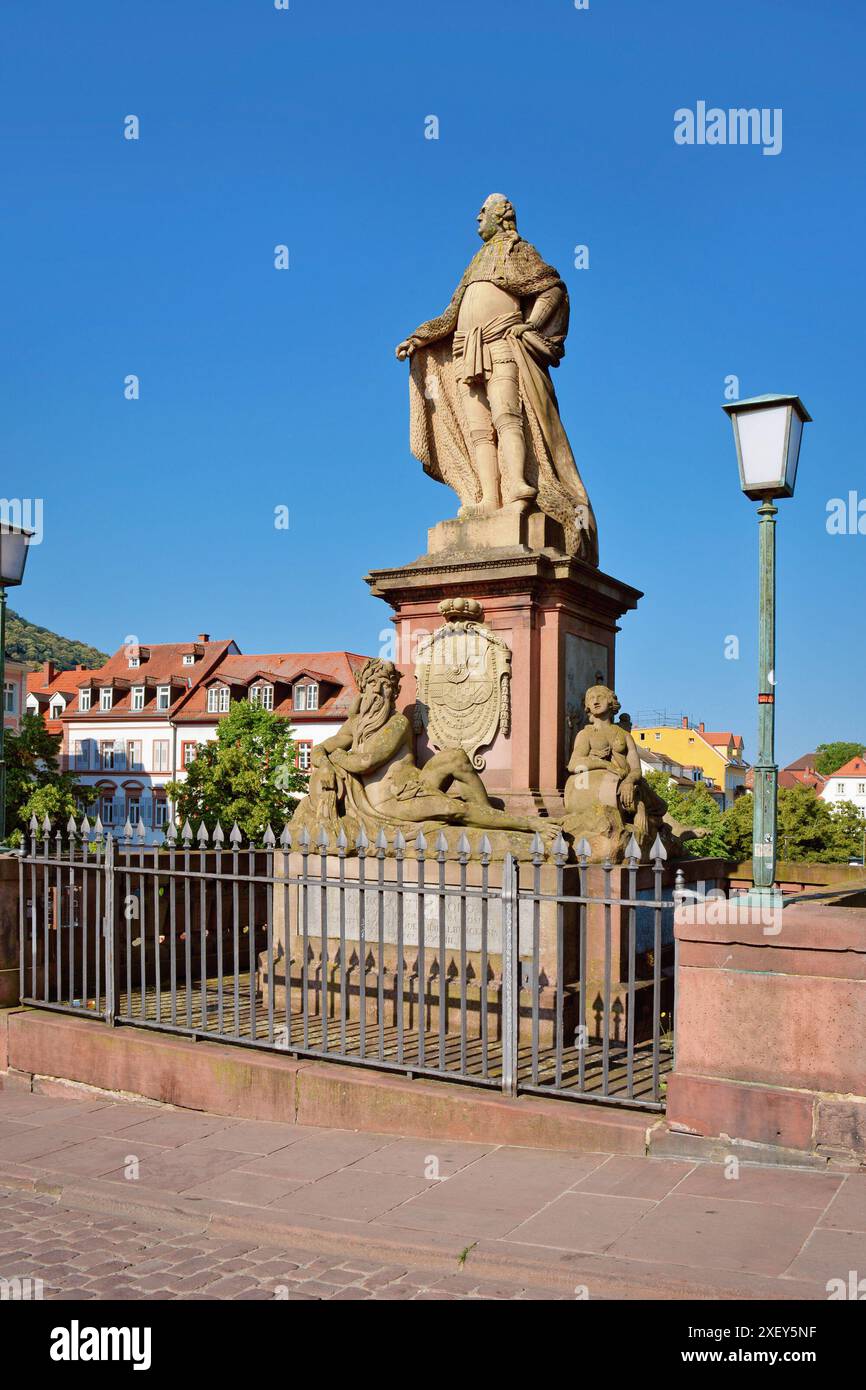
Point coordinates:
[[809, 830], [31, 644], [34, 782], [829, 757], [246, 775]]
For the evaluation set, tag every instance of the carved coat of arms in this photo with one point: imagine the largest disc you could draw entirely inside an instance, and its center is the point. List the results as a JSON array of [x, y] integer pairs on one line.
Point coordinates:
[[463, 674]]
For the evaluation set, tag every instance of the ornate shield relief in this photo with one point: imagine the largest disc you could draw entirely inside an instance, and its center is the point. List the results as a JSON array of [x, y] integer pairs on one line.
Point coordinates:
[[463, 673]]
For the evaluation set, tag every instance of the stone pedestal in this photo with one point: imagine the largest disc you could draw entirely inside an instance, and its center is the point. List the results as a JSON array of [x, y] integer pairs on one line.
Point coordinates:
[[557, 615]]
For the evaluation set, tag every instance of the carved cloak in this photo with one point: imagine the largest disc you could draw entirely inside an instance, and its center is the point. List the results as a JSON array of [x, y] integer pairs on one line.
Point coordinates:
[[438, 432]]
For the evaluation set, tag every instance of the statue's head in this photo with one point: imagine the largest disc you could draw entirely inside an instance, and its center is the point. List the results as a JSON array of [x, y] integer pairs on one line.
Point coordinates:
[[601, 702], [379, 685], [380, 677], [497, 215]]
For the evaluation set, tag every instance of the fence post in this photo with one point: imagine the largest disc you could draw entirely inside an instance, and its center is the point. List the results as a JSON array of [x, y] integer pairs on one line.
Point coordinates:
[[510, 974], [108, 933], [22, 917]]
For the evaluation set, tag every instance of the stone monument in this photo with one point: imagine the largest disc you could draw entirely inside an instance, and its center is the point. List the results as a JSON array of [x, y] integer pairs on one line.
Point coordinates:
[[522, 551]]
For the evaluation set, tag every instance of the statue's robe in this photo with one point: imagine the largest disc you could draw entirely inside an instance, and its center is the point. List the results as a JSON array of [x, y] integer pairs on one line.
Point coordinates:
[[438, 432]]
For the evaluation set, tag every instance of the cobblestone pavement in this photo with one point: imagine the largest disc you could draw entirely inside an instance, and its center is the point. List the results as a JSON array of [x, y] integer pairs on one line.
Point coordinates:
[[105, 1199], [80, 1255]]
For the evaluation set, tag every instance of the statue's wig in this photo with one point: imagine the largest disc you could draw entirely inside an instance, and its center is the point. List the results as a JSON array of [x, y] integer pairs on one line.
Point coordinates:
[[507, 215], [614, 702]]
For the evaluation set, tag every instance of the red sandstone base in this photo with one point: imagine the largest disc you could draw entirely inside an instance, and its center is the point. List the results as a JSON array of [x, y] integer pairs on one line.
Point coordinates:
[[559, 618], [771, 1030]]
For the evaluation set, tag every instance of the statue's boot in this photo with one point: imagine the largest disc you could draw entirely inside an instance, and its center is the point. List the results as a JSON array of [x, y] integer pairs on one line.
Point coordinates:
[[487, 467], [512, 459]]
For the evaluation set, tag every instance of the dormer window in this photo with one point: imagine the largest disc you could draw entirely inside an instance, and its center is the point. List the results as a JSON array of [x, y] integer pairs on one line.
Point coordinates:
[[84, 701], [56, 709], [189, 659], [163, 697], [137, 698], [262, 695], [306, 696], [135, 661], [218, 699], [106, 696]]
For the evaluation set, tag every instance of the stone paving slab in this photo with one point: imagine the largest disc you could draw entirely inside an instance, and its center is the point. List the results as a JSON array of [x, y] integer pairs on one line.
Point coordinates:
[[218, 1208]]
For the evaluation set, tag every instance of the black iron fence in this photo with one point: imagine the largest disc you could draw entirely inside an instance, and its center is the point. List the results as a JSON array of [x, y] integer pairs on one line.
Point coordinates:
[[550, 975]]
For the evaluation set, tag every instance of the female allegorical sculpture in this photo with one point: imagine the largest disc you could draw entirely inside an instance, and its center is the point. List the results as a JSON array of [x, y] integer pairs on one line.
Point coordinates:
[[607, 798], [483, 412]]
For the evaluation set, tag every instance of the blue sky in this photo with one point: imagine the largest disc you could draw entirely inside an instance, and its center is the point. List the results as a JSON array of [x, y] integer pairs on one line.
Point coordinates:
[[262, 388]]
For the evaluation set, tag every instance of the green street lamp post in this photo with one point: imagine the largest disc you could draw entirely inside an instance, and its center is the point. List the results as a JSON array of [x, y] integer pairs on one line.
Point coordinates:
[[767, 433], [14, 542]]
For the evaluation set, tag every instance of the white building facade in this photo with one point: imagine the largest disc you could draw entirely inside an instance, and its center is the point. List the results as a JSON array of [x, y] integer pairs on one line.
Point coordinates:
[[134, 725], [847, 783]]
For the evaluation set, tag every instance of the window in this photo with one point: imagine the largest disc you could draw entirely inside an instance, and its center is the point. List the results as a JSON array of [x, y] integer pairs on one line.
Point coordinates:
[[105, 696], [133, 755], [106, 810], [81, 751], [135, 661], [163, 696], [133, 810], [658, 739], [312, 697], [218, 699], [84, 700], [9, 697], [137, 699], [56, 709], [188, 753], [188, 659], [262, 695], [300, 698], [160, 813], [861, 788], [160, 755], [303, 756], [107, 758]]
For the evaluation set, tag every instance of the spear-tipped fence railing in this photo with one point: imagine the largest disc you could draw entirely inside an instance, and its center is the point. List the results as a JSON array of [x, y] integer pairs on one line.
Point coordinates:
[[552, 976]]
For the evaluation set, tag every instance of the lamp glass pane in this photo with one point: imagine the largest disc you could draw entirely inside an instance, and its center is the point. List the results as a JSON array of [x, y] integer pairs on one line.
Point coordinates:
[[793, 449], [13, 555], [762, 446]]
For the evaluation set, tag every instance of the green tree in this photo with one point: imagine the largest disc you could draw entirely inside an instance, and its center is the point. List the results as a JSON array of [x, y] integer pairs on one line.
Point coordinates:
[[246, 775], [696, 808], [34, 782], [830, 756], [849, 828], [808, 830]]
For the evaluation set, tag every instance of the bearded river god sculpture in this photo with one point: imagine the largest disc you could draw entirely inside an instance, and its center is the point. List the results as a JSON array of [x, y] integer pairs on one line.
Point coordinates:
[[483, 412], [365, 776]]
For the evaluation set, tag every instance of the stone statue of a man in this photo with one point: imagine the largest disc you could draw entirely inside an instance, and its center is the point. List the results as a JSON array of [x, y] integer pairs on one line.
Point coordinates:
[[483, 413]]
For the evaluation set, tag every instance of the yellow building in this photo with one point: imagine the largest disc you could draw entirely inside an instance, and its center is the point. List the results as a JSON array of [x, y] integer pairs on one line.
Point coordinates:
[[719, 756]]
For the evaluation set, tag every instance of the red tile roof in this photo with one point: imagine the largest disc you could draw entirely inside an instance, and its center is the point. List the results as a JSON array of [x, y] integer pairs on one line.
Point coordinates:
[[724, 738], [804, 764], [855, 768], [64, 683], [164, 666], [336, 671]]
